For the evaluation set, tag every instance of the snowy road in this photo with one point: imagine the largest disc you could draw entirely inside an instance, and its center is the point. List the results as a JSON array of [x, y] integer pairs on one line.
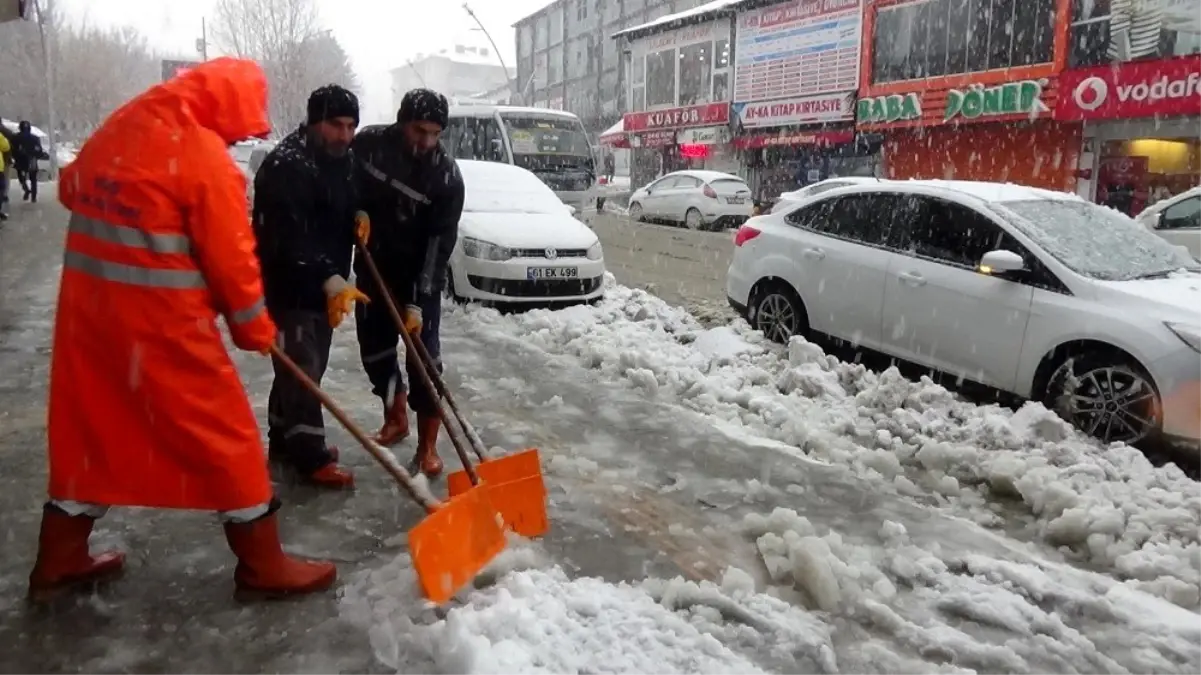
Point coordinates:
[[718, 505]]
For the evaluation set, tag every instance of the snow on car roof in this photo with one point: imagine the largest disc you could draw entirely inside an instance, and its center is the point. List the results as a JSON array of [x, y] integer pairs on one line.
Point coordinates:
[[989, 192], [494, 187], [706, 176]]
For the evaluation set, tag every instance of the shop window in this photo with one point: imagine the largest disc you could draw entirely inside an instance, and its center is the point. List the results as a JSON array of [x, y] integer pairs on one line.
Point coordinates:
[[1183, 215], [1104, 31], [696, 74], [952, 234], [721, 70], [930, 38], [661, 78]]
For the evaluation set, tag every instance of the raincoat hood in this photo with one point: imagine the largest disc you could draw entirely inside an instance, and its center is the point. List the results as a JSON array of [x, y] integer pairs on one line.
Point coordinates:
[[228, 96]]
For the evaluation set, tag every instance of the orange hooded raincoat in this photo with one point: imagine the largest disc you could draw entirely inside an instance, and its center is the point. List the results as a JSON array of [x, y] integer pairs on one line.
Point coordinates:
[[146, 407]]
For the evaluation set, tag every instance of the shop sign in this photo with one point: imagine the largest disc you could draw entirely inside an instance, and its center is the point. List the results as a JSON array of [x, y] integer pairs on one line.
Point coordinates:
[[1011, 98], [704, 115], [680, 37], [705, 136], [891, 108], [1139, 89], [800, 110], [653, 139], [820, 138]]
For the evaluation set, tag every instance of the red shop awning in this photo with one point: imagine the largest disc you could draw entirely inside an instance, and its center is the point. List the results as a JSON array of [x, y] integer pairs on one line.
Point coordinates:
[[752, 141], [615, 135]]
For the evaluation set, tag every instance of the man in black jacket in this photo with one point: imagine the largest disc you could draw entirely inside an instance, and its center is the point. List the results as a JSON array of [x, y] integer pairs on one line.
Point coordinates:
[[27, 150], [304, 221], [413, 193]]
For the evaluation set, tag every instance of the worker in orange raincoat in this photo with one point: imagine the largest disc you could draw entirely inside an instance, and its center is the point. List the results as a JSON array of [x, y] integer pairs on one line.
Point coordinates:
[[146, 407]]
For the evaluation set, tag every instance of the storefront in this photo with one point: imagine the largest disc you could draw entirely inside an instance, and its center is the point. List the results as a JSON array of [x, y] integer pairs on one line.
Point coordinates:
[[796, 73], [1138, 93], [950, 109], [678, 88]]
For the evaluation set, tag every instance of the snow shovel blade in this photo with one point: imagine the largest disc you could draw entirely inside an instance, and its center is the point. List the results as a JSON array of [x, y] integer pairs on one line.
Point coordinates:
[[452, 544], [515, 487]]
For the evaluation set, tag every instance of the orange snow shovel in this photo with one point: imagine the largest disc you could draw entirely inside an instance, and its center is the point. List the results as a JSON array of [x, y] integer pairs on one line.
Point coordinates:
[[455, 540], [514, 481]]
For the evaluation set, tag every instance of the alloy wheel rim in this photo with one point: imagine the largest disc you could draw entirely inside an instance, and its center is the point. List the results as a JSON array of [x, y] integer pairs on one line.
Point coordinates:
[[776, 318], [1113, 404]]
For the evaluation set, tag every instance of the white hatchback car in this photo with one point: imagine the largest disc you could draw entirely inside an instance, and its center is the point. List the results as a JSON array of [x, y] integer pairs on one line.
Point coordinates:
[[1029, 291], [1178, 220], [698, 199], [518, 243]]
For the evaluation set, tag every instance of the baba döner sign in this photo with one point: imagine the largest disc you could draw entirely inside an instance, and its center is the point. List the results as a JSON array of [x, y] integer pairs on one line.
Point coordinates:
[[704, 115]]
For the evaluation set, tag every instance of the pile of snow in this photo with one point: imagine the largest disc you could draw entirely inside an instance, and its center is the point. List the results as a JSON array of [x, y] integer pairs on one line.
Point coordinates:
[[975, 611], [1109, 504], [531, 619]]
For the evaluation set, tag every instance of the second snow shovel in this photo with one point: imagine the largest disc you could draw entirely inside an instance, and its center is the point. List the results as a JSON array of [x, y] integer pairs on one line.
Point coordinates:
[[514, 481], [458, 537]]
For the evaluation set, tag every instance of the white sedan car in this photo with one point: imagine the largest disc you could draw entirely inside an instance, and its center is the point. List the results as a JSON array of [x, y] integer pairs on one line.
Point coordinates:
[[788, 199], [518, 243], [1177, 220], [1033, 292], [698, 199]]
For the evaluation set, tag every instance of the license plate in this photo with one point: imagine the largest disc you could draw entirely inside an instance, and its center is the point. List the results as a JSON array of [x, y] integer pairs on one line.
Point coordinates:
[[533, 273], [734, 200]]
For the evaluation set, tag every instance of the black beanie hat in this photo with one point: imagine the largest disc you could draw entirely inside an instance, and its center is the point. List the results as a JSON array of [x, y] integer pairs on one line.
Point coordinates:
[[332, 101], [424, 105]]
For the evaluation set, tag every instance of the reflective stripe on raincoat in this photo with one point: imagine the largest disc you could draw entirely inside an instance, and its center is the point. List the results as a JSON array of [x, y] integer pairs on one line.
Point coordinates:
[[146, 407]]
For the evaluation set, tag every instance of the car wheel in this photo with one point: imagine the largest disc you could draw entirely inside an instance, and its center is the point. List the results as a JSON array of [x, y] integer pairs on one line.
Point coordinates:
[[1107, 397], [777, 312], [636, 212], [692, 219]]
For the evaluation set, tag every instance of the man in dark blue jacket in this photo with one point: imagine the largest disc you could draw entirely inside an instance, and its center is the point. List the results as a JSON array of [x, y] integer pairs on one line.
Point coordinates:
[[304, 221], [413, 193]]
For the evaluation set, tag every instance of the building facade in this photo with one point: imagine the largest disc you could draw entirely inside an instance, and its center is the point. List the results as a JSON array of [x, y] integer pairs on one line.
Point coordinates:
[[1133, 80], [566, 59], [463, 71]]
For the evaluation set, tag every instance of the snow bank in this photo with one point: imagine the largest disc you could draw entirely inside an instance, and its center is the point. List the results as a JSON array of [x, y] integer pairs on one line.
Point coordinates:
[[538, 620], [975, 611], [1107, 504]]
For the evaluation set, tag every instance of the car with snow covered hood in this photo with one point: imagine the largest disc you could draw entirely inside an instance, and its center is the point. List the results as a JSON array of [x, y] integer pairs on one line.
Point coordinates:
[[519, 244], [1029, 291]]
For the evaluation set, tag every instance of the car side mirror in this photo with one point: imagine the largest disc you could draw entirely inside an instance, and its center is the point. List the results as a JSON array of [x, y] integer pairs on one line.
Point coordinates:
[[1000, 261], [1157, 221]]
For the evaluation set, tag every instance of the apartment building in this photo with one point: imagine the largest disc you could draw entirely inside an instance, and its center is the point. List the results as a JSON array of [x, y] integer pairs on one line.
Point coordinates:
[[462, 71], [566, 59]]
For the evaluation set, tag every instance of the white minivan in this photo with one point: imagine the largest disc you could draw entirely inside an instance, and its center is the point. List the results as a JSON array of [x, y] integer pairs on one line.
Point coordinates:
[[552, 144]]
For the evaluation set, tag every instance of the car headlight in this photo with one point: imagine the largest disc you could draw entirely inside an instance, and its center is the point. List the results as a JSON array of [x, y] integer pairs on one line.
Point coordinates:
[[1191, 335], [595, 252], [478, 248]]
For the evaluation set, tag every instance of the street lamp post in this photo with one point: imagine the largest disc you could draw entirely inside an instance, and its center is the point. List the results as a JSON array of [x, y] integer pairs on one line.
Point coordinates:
[[511, 81], [45, 12]]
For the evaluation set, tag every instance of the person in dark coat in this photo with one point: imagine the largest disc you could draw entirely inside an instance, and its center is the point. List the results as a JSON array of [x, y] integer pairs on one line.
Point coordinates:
[[27, 150], [412, 191], [304, 223]]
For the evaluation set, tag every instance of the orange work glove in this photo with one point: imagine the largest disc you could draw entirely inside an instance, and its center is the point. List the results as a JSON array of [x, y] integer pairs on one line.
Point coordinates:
[[340, 298], [412, 320], [362, 226]]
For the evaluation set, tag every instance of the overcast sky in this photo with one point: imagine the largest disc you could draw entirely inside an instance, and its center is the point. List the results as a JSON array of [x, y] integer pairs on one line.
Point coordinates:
[[378, 34]]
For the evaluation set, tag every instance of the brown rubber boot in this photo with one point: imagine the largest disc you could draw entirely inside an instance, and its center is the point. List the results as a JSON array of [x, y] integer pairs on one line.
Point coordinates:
[[64, 562], [426, 459], [396, 421], [264, 571]]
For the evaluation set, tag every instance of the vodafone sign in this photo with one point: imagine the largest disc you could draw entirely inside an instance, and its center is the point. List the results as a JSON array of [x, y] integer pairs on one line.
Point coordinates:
[[1136, 89]]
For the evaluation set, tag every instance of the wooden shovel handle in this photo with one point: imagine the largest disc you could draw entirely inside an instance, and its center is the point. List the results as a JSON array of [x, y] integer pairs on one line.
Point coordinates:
[[414, 357], [402, 477], [476, 444]]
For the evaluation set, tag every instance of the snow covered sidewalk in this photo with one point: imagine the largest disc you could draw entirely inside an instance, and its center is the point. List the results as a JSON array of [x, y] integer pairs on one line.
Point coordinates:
[[1108, 505]]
